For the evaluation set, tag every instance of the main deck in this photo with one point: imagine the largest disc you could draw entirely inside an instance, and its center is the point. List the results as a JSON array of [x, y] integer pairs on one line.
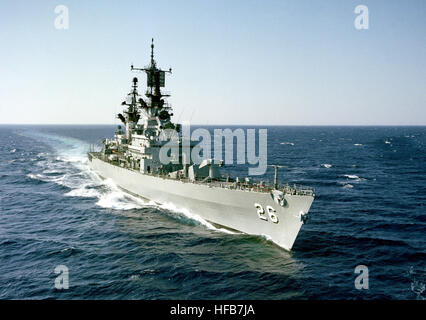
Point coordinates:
[[222, 182]]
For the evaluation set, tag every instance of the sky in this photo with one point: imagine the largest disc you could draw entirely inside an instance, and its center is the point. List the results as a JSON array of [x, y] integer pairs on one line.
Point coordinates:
[[234, 62]]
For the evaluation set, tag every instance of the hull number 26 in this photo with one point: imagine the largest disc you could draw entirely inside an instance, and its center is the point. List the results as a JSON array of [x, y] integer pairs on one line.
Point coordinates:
[[269, 210]]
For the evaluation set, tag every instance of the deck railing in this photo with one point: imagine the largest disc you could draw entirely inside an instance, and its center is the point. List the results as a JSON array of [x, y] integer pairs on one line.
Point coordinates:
[[222, 182]]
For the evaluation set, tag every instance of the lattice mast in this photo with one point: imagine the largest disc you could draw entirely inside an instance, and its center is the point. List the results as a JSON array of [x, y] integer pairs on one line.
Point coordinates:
[[155, 81]]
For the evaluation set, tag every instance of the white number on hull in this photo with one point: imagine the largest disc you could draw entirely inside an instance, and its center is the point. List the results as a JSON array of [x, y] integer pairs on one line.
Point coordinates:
[[271, 213], [260, 212]]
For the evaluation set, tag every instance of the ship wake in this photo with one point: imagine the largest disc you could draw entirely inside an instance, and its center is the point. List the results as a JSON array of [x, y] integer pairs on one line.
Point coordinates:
[[67, 166]]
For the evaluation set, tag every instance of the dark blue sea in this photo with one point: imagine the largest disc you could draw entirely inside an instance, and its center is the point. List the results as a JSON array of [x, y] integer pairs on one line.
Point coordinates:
[[369, 210]]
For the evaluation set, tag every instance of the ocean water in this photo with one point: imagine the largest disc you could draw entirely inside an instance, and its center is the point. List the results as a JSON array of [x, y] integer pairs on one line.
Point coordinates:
[[369, 210]]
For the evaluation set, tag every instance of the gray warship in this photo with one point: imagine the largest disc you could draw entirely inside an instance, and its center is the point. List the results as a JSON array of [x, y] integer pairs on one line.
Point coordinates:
[[132, 160]]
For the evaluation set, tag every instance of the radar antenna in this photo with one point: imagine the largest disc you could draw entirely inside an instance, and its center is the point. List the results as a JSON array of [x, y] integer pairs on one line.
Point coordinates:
[[155, 81]]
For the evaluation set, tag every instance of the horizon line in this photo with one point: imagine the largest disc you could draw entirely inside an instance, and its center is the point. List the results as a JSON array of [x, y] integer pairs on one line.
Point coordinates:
[[233, 125]]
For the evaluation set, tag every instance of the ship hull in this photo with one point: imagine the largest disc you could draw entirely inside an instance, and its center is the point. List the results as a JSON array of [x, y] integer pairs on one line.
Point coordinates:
[[233, 209]]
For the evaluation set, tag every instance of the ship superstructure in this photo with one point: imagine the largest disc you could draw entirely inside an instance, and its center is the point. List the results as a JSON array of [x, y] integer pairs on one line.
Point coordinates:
[[133, 160]]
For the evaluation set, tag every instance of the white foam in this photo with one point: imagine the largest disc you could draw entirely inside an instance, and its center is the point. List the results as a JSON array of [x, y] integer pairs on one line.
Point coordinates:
[[266, 237], [326, 165], [354, 177], [84, 192], [120, 200], [387, 142], [193, 216], [115, 200], [69, 168], [50, 171], [13, 151], [41, 154], [358, 144], [38, 176], [288, 143], [107, 193], [348, 186], [351, 176], [73, 159]]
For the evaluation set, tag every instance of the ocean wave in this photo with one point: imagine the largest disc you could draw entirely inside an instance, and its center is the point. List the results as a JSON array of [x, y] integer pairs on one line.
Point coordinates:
[[358, 144], [351, 176], [192, 216], [266, 237], [326, 165], [287, 143], [42, 154], [348, 220], [83, 192], [38, 176], [418, 287], [73, 159], [66, 167], [52, 171], [117, 199], [86, 184], [354, 177]]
